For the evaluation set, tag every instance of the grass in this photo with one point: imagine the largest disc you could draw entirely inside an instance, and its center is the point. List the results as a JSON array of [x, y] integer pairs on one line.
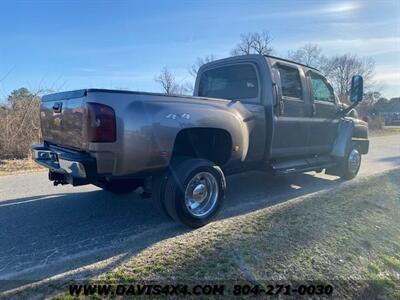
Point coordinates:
[[373, 268], [391, 262], [18, 166], [349, 237]]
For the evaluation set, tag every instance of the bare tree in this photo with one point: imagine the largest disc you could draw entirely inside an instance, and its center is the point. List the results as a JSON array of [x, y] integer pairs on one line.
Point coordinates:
[[340, 68], [253, 43], [199, 62], [20, 123], [167, 81], [310, 55], [186, 88]]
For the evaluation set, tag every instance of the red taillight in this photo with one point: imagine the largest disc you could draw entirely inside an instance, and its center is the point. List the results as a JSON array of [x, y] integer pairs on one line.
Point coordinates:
[[101, 123]]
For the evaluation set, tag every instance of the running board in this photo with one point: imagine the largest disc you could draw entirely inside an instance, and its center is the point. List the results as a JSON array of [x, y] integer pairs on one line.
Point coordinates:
[[301, 165]]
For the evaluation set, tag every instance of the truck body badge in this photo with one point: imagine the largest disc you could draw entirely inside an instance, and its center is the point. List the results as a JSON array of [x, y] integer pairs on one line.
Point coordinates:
[[176, 116]]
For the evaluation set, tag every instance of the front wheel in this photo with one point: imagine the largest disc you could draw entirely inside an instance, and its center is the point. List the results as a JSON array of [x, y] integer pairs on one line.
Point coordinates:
[[351, 163], [193, 191]]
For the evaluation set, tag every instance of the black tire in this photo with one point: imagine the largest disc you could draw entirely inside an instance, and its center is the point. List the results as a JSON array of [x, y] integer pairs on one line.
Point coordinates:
[[206, 180], [349, 167], [159, 181], [119, 186], [158, 191]]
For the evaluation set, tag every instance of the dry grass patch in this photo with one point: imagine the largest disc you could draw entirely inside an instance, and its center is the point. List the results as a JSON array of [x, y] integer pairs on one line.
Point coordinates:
[[17, 166], [385, 132]]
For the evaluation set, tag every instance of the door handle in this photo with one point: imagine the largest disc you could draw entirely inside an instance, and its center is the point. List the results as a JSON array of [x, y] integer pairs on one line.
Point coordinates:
[[281, 107], [276, 94], [313, 109], [57, 107]]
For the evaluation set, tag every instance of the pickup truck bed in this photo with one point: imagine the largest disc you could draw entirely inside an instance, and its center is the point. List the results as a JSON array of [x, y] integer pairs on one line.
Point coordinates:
[[146, 125]]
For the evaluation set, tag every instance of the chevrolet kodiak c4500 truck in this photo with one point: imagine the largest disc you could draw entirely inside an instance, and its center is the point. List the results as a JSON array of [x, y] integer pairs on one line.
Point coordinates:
[[247, 112]]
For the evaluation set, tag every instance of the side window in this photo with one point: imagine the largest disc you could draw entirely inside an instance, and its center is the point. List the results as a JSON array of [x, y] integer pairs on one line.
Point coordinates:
[[290, 82], [321, 90], [230, 82]]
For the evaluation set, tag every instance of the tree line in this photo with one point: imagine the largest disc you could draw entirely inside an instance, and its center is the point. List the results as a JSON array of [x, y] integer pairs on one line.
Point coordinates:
[[338, 68]]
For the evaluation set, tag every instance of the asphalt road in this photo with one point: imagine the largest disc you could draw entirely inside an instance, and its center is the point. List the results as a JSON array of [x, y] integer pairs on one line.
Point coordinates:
[[47, 230]]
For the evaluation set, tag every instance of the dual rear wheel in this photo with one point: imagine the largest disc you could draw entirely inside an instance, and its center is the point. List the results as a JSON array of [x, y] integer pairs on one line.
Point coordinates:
[[190, 191]]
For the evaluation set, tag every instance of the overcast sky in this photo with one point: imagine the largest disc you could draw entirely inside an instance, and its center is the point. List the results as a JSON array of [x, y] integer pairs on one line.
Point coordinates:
[[123, 44]]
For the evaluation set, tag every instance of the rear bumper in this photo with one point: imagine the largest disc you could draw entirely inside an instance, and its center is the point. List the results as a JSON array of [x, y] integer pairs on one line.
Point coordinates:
[[66, 166]]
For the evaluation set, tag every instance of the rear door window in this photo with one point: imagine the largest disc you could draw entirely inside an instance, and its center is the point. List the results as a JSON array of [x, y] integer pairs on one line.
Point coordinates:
[[290, 82], [236, 82]]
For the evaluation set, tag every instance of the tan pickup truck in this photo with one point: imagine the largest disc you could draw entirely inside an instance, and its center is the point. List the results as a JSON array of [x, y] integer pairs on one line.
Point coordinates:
[[247, 112]]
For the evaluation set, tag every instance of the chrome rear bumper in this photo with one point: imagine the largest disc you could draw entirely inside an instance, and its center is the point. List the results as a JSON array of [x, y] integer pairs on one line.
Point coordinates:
[[71, 167]]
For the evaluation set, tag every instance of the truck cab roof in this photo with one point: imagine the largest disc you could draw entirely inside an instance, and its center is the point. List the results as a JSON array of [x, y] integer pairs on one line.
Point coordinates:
[[271, 59]]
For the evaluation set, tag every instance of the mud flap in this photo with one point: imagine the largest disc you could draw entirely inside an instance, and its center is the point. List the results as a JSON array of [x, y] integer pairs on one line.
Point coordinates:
[[341, 145], [343, 139]]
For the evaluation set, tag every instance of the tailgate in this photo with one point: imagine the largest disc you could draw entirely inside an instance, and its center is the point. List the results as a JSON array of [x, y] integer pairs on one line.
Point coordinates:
[[63, 119]]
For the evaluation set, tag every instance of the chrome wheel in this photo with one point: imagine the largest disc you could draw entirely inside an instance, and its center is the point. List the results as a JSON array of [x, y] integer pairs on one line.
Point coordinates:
[[201, 194], [354, 161]]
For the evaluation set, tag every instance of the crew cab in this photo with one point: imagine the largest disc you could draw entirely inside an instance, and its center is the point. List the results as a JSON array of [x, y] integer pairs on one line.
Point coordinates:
[[247, 112]]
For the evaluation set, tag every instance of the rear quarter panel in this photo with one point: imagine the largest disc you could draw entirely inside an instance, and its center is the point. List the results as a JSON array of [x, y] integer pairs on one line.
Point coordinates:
[[147, 126]]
